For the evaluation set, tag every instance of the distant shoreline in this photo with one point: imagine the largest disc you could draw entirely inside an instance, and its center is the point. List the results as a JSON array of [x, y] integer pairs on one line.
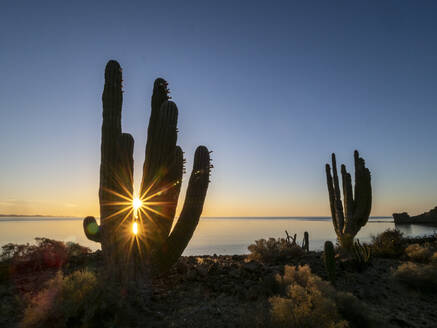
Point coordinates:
[[24, 218], [30, 216], [204, 217]]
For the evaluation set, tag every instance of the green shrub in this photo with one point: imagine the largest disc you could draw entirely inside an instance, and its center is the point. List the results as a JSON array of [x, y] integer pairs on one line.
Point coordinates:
[[308, 301], [418, 253], [389, 243], [272, 250], [419, 276]]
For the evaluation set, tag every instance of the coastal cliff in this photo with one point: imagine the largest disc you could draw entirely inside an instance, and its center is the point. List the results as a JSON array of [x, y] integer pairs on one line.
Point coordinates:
[[429, 217]]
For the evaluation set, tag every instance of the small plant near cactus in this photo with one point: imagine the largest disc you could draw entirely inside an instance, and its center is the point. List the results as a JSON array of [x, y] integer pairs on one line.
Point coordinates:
[[329, 261], [362, 255], [272, 250]]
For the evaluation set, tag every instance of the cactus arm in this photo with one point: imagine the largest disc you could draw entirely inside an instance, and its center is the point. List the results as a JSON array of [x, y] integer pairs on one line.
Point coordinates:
[[338, 205], [160, 156], [161, 144], [175, 177], [192, 209], [159, 97], [363, 193], [92, 229], [126, 163], [112, 99], [331, 196], [124, 186], [347, 197]]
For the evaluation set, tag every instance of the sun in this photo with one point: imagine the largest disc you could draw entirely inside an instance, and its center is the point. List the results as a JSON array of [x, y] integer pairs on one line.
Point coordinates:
[[137, 203]]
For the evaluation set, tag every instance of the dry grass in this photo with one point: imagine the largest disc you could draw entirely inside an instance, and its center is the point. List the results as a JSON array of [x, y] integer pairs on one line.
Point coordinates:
[[418, 253], [418, 276]]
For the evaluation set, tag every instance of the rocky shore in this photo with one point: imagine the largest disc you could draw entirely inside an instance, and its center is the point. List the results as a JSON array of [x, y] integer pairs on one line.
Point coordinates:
[[234, 291], [429, 217]]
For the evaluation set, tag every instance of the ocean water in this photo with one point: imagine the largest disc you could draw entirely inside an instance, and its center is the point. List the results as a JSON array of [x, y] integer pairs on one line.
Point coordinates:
[[213, 235]]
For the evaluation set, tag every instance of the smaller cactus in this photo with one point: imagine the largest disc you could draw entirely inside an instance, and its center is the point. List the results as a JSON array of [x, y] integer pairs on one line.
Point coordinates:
[[362, 254], [329, 259], [349, 219], [305, 242]]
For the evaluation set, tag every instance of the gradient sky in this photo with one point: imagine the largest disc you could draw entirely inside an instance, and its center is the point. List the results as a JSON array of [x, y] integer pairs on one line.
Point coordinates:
[[271, 87]]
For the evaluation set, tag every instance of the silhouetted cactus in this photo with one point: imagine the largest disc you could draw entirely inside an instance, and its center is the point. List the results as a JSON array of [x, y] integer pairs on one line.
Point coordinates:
[[329, 260], [357, 205], [362, 254], [306, 242], [162, 176]]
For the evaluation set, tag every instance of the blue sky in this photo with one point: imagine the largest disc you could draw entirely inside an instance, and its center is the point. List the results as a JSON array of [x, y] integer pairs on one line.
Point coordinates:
[[271, 87]]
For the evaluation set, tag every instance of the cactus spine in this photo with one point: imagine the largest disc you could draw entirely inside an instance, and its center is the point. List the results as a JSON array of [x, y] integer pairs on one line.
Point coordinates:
[[329, 259], [357, 205], [155, 248]]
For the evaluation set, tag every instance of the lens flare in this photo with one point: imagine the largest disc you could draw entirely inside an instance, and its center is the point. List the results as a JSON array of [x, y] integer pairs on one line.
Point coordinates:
[[135, 228]]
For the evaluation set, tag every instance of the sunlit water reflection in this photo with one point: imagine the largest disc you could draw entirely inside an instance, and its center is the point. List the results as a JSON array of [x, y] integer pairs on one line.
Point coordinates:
[[213, 235]]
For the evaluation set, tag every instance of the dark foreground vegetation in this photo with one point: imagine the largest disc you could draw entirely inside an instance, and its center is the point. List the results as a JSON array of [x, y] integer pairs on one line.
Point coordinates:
[[52, 284]]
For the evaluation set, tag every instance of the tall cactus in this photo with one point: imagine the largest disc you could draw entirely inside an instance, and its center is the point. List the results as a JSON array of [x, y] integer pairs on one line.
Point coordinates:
[[356, 212], [154, 248]]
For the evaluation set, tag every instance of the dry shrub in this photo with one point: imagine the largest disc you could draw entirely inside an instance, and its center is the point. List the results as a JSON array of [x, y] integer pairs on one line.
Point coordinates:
[[389, 243], [273, 250], [434, 258], [45, 254], [308, 301], [420, 276], [418, 253], [66, 301], [355, 312]]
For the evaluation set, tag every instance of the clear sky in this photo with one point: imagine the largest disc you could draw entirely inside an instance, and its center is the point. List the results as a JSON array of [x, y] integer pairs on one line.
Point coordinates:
[[271, 87]]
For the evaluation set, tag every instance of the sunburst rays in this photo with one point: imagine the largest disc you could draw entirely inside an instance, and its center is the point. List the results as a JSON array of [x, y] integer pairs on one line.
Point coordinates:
[[133, 214]]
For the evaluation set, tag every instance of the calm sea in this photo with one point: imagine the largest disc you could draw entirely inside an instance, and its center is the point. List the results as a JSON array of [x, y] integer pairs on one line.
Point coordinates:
[[213, 235]]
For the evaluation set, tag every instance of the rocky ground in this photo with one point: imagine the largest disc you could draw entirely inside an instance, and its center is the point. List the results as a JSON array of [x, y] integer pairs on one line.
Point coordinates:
[[228, 291], [233, 291]]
